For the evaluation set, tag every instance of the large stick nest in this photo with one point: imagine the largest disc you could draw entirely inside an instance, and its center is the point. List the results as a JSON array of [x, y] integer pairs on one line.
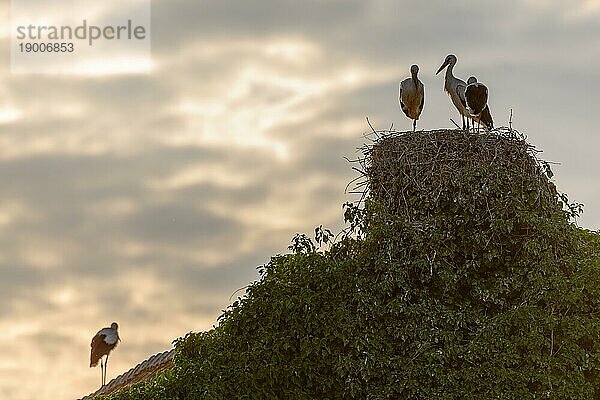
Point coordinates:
[[414, 174]]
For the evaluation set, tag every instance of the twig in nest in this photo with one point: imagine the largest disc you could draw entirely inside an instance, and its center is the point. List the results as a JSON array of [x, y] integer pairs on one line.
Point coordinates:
[[363, 173], [455, 124], [351, 182], [373, 129]]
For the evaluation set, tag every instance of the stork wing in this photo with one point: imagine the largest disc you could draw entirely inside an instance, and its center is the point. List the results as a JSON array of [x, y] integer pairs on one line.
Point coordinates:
[[422, 103], [403, 106], [99, 348], [460, 89], [98, 340], [476, 97], [486, 118]]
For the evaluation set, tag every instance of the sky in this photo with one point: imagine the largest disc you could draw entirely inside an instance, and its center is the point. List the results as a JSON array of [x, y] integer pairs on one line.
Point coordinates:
[[148, 197]]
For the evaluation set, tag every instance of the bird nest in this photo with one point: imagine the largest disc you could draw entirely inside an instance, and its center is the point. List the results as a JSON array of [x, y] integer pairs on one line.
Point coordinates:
[[417, 173]]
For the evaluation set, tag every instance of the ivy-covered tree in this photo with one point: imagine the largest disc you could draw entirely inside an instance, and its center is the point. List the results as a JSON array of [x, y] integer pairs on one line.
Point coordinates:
[[460, 278]]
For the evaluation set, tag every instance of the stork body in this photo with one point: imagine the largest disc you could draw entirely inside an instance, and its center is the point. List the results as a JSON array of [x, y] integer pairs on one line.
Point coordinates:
[[486, 119], [411, 96], [455, 88], [102, 344], [476, 96]]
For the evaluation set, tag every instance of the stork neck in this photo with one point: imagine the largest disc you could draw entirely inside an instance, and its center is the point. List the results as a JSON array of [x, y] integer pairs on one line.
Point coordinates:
[[449, 70]]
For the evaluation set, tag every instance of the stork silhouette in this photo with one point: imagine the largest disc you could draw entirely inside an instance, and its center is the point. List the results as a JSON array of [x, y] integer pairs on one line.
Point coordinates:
[[102, 344]]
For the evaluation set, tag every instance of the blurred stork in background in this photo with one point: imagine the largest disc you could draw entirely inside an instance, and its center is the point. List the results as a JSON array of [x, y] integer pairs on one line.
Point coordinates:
[[411, 96], [102, 344]]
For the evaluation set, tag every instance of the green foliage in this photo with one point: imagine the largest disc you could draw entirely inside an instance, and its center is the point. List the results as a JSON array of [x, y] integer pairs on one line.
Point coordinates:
[[464, 280]]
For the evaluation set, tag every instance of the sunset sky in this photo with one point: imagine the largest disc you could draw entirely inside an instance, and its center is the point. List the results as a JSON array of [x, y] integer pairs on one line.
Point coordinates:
[[148, 198]]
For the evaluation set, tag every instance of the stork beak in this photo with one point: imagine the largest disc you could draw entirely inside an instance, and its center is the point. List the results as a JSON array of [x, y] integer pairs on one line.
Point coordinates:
[[442, 67]]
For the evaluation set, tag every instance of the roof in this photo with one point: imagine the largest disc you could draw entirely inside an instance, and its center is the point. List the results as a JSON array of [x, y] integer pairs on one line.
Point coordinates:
[[143, 371]]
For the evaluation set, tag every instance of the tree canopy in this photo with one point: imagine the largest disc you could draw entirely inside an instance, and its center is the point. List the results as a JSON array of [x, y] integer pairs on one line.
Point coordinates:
[[460, 276]]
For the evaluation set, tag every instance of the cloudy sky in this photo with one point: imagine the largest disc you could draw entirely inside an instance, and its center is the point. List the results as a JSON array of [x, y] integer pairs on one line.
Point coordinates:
[[148, 198]]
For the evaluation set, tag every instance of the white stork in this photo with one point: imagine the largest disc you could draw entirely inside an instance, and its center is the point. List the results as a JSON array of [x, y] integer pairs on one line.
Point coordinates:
[[411, 96], [476, 96], [103, 343], [455, 88]]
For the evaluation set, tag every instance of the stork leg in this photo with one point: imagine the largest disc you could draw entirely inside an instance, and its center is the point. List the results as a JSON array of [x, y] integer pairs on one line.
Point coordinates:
[[105, 368], [101, 373]]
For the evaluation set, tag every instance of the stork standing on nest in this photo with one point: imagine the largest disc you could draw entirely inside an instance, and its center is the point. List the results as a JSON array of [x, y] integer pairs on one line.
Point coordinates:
[[455, 88], [476, 97], [102, 344], [411, 96]]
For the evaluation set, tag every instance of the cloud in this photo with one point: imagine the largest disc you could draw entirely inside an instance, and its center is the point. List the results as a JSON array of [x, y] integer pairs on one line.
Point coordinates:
[[149, 199]]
